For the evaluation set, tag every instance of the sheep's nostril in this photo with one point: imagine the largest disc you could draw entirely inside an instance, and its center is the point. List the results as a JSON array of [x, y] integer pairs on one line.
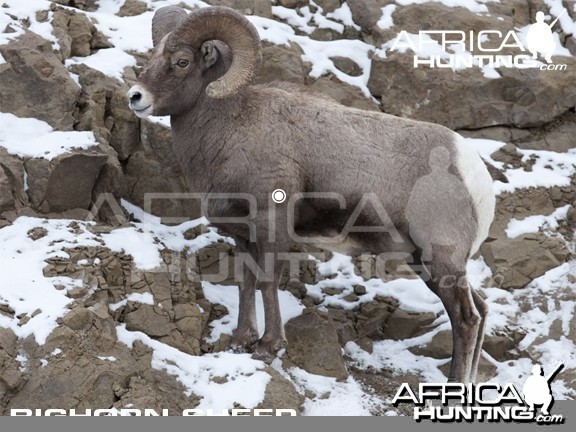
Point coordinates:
[[135, 98]]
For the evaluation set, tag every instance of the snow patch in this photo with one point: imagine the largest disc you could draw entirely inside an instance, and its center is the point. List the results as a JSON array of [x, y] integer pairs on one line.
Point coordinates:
[[146, 239], [550, 169], [26, 12], [164, 121], [386, 21], [24, 287], [556, 9], [23, 360], [242, 379], [532, 224], [395, 356], [412, 294], [144, 298], [333, 398], [141, 246], [111, 62], [29, 137], [109, 358], [486, 148], [111, 7], [344, 15]]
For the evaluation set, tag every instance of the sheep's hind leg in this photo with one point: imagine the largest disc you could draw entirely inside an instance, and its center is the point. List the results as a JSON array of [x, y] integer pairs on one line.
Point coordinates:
[[449, 282], [465, 327], [483, 311]]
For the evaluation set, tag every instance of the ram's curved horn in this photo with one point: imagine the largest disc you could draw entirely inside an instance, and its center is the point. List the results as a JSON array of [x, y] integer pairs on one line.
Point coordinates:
[[232, 28], [166, 20]]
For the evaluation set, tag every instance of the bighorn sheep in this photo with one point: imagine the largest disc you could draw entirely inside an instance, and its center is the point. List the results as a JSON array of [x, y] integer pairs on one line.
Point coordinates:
[[421, 189]]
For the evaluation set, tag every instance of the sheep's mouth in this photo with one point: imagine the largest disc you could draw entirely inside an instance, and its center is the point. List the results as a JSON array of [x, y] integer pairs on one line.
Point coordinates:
[[144, 112]]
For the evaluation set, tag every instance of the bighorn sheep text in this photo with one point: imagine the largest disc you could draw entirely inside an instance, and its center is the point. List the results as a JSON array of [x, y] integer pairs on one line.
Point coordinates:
[[236, 138]]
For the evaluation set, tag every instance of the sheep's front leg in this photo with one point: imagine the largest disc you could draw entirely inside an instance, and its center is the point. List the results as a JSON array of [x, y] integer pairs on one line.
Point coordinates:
[[247, 329], [274, 338]]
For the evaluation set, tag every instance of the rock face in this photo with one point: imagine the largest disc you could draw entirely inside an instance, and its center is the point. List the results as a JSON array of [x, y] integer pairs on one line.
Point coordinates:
[[87, 5], [83, 365], [36, 84], [373, 317], [13, 197], [516, 262], [313, 345], [405, 325], [72, 367], [344, 93], [521, 98], [64, 183], [281, 63], [76, 34], [366, 13], [439, 348], [281, 393], [6, 198], [247, 7], [132, 8]]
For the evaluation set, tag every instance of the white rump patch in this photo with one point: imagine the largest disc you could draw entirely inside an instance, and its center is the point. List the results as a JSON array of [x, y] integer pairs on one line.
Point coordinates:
[[477, 180]]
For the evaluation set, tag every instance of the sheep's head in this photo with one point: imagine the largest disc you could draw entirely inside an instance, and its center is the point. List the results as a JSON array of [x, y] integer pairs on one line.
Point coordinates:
[[215, 50]]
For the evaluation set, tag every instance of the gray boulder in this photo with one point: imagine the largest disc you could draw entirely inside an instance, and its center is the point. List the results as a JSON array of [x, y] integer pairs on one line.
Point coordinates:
[[516, 262], [366, 13], [65, 183], [247, 7], [465, 99], [34, 82], [132, 8], [81, 31], [280, 393], [6, 197], [373, 317], [344, 93], [282, 63], [521, 97], [313, 345]]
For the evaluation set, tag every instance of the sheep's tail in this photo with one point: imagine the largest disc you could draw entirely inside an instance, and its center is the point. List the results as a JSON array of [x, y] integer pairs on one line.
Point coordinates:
[[495, 173]]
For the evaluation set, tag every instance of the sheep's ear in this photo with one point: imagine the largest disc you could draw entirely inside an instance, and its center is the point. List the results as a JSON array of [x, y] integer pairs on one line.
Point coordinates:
[[209, 53]]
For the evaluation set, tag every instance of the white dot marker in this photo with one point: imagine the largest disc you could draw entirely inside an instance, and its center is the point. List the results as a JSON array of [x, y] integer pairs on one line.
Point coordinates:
[[278, 196]]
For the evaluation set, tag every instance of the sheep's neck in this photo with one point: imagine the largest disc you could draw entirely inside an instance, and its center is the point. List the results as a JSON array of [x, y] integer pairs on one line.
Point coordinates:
[[199, 138]]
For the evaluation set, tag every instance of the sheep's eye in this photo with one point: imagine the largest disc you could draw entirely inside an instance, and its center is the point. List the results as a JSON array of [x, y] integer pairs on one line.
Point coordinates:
[[182, 63]]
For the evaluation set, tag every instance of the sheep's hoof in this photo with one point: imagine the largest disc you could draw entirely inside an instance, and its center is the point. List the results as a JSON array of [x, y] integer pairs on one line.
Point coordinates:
[[265, 350], [243, 343]]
